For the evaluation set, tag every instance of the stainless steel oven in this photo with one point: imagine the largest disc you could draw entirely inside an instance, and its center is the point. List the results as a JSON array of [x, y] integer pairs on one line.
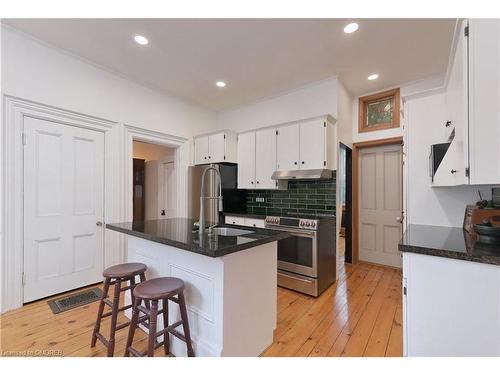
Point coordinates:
[[299, 255]]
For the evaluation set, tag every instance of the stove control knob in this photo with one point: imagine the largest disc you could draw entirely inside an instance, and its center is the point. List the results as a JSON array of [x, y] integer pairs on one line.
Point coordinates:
[[308, 224], [313, 224]]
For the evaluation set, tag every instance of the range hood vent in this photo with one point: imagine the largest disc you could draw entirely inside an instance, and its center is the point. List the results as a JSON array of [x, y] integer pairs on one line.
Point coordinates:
[[303, 174]]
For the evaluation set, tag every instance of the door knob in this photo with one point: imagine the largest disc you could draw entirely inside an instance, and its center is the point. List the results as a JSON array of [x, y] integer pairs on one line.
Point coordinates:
[[98, 223], [399, 218]]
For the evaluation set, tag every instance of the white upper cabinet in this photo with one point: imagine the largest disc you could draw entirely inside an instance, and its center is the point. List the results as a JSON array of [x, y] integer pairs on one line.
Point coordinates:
[[215, 148], [472, 102], [257, 159], [288, 144], [313, 144], [309, 144], [201, 150], [484, 101], [246, 160], [265, 158]]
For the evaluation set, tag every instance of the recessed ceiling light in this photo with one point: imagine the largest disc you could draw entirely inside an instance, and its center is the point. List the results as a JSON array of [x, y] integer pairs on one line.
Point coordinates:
[[142, 40], [220, 84], [373, 76], [350, 28]]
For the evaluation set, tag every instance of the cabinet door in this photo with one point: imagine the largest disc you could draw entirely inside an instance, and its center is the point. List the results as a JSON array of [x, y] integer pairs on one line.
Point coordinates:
[[288, 147], [246, 160], [216, 148], [457, 98], [484, 100], [201, 150], [265, 158], [312, 144]]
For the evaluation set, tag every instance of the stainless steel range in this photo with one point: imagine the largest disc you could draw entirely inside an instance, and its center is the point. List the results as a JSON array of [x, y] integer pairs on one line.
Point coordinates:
[[306, 260]]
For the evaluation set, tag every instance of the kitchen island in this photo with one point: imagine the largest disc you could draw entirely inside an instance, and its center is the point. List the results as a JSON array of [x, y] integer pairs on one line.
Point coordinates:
[[230, 281]]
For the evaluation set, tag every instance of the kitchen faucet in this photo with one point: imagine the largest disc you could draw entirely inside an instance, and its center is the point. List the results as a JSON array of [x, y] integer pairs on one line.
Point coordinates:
[[201, 221]]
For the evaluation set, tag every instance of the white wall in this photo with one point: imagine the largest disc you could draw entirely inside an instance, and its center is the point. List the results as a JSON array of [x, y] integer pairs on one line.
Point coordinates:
[[35, 71], [443, 206], [151, 151], [310, 101]]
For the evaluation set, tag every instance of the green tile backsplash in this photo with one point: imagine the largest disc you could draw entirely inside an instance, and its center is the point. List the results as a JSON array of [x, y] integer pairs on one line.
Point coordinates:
[[302, 197]]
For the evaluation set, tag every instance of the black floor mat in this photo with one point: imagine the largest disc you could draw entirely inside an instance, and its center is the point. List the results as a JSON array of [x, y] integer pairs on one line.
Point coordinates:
[[65, 303]]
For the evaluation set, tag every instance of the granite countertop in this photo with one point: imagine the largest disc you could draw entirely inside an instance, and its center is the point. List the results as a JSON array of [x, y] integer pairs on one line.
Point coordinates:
[[244, 214], [453, 243], [181, 233]]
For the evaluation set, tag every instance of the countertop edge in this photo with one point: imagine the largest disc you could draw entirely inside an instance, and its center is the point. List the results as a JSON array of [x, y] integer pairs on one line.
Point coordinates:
[[212, 254], [449, 254]]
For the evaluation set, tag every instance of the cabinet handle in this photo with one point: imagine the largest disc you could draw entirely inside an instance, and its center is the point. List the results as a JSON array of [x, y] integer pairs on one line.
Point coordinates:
[[251, 182], [254, 225], [448, 123], [209, 157], [257, 181], [295, 162], [453, 171], [205, 158], [303, 162]]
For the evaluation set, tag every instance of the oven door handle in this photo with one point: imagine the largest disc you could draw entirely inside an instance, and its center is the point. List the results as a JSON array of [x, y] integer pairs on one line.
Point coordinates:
[[298, 232], [298, 278]]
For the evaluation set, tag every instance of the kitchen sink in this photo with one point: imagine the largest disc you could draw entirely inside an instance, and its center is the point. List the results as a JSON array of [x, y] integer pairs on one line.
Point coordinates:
[[224, 231]]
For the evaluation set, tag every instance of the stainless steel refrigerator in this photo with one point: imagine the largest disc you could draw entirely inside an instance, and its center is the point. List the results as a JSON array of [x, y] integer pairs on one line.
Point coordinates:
[[234, 200]]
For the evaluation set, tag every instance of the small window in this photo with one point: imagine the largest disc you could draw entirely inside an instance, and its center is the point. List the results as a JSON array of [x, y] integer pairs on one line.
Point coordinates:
[[379, 111]]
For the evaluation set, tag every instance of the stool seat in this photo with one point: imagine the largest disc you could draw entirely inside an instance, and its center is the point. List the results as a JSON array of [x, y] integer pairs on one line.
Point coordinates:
[[125, 270], [159, 288]]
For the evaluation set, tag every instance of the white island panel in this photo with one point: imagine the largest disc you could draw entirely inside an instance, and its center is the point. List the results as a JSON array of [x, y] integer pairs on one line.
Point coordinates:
[[231, 300]]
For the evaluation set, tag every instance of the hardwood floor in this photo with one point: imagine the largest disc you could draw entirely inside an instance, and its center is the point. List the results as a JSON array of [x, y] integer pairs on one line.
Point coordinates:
[[360, 315]]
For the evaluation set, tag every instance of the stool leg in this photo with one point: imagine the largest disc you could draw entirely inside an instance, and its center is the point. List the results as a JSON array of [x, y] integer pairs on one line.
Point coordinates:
[[132, 286], [166, 335], [114, 316], [97, 326], [142, 277], [132, 326], [152, 328], [185, 324]]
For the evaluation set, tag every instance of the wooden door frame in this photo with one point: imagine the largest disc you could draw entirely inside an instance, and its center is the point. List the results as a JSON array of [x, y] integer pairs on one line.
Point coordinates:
[[355, 185]]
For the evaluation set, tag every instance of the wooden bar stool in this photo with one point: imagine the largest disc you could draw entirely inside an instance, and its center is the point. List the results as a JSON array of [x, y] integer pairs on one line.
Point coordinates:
[[164, 289], [115, 275]]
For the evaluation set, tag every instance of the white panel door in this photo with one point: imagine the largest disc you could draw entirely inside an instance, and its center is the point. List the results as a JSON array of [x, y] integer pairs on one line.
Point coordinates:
[[63, 203], [246, 160], [265, 158], [216, 148], [312, 144], [484, 101], [201, 150], [380, 204], [288, 147], [167, 191]]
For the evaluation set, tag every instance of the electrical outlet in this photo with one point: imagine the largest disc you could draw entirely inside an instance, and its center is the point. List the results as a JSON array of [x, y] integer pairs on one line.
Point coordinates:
[[259, 199]]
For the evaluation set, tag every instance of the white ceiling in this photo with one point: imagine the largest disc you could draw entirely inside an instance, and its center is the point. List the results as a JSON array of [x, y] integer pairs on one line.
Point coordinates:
[[257, 58]]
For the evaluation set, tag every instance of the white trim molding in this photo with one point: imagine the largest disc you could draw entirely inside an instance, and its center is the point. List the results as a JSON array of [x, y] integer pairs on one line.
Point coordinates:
[[15, 110], [181, 160]]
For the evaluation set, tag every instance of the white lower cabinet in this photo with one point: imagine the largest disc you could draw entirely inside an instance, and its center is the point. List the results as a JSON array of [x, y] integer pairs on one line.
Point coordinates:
[[450, 307], [245, 221]]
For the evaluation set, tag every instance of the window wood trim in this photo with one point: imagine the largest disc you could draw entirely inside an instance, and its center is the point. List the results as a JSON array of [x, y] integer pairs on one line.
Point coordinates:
[[364, 100]]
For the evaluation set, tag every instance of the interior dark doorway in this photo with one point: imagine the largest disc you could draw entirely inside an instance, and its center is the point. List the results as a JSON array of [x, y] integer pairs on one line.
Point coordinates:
[[346, 198]]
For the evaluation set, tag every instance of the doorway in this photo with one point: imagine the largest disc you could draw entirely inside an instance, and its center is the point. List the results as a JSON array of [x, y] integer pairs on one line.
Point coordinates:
[[378, 201], [154, 192], [345, 197]]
